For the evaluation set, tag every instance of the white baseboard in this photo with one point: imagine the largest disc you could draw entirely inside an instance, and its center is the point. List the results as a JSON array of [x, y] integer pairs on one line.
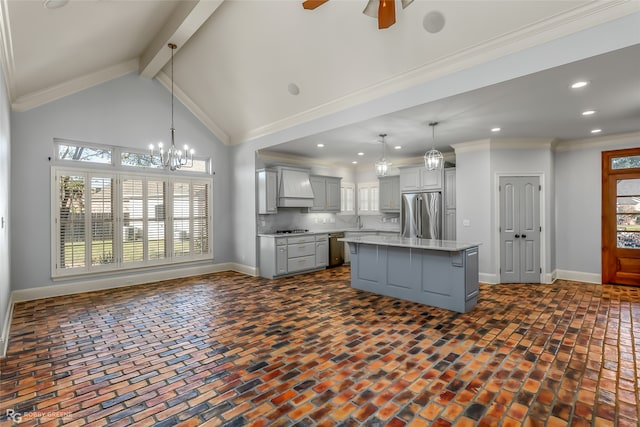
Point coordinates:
[[579, 276], [489, 278], [98, 284], [550, 277], [6, 327]]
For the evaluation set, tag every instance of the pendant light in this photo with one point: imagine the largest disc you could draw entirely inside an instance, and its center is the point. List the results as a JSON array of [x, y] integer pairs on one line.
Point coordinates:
[[382, 165], [433, 159], [173, 158]]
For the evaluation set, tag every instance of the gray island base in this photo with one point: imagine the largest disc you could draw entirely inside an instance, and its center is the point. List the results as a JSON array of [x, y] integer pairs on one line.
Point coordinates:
[[440, 273]]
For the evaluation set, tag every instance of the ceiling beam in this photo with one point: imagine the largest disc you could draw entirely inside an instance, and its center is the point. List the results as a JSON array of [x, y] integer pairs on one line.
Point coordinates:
[[183, 23]]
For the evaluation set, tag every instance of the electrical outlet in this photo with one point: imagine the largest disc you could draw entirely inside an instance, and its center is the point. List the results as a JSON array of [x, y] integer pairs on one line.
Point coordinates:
[[466, 222]]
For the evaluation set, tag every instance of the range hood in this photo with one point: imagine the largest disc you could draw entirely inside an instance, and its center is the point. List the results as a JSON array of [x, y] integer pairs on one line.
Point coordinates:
[[295, 189]]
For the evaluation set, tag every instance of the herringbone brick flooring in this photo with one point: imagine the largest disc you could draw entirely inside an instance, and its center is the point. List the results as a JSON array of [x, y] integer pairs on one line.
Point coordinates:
[[228, 349]]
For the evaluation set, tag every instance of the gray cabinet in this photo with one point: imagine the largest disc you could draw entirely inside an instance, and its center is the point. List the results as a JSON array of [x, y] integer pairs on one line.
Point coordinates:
[[390, 193], [280, 256], [326, 193], [267, 184], [450, 204], [322, 250], [418, 178]]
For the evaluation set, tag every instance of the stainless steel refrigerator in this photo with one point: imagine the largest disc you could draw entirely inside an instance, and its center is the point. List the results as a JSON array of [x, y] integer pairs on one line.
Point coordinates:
[[422, 215]]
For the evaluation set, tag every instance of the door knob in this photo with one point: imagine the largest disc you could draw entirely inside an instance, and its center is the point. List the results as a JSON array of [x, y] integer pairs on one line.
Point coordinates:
[[517, 236]]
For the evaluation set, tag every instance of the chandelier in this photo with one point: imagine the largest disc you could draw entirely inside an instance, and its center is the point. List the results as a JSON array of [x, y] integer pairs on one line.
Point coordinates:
[[382, 165], [433, 159], [172, 158]]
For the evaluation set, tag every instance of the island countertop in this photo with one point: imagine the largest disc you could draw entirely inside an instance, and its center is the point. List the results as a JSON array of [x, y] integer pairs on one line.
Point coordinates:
[[406, 242]]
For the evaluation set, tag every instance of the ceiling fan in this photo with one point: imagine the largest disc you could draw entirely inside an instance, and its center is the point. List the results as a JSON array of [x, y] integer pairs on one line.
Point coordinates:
[[384, 10]]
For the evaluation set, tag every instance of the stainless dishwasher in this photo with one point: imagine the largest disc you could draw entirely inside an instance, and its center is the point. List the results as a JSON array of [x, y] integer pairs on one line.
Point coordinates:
[[336, 249]]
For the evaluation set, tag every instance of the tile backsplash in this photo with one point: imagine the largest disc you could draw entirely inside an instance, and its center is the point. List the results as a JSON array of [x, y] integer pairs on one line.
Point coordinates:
[[294, 218]]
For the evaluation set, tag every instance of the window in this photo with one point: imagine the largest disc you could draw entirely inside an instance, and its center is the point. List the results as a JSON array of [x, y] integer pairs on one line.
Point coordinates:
[[347, 198], [119, 156], [67, 150], [107, 222], [368, 198]]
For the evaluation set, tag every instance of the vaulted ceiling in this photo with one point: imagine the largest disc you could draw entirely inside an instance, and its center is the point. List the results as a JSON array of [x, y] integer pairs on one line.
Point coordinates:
[[252, 68]]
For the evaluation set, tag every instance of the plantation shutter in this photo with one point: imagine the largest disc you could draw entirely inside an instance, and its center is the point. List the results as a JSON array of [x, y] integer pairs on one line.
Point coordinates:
[[200, 217], [133, 220], [156, 225], [71, 221], [101, 221]]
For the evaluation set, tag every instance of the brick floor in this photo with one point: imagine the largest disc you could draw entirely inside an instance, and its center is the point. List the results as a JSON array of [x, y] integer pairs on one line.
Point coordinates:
[[228, 349]]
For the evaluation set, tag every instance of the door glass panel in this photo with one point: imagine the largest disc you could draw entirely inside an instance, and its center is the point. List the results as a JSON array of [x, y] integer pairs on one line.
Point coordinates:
[[628, 213], [627, 162]]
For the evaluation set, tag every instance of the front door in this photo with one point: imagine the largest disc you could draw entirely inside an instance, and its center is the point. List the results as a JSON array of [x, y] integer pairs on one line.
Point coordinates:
[[621, 217], [519, 229]]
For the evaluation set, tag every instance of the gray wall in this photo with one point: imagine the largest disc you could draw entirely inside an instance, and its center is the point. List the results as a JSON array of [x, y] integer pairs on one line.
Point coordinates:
[[5, 171], [129, 111], [474, 204], [578, 204]]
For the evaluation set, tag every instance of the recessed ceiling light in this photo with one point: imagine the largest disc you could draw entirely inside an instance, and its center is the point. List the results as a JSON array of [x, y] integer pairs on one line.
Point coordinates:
[[495, 129], [433, 22], [578, 85], [361, 154], [54, 4], [596, 130], [398, 147], [589, 113], [355, 162], [320, 145]]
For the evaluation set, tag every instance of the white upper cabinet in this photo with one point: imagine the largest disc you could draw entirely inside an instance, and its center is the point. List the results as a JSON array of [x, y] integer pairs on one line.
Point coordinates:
[[389, 193], [267, 191], [326, 190], [418, 178]]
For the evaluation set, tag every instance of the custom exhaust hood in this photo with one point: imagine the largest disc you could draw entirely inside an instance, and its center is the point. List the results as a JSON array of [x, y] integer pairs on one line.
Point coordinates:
[[295, 189]]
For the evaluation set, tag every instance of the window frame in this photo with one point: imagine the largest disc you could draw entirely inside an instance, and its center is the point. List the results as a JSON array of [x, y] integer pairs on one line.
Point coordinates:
[[118, 176]]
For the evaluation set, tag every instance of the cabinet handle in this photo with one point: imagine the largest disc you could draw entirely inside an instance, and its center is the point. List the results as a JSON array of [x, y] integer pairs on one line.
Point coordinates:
[[524, 236], [517, 236]]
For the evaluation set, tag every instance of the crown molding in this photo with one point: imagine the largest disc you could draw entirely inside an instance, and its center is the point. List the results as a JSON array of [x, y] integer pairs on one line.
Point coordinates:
[[580, 18], [479, 145], [6, 48], [522, 144], [606, 141], [36, 99], [165, 80]]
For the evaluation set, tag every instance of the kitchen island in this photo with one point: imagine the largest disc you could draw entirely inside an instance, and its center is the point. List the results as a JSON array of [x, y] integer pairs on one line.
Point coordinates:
[[440, 273]]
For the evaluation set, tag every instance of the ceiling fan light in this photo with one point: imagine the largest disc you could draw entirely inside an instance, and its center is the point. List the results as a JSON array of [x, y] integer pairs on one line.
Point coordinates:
[[371, 9]]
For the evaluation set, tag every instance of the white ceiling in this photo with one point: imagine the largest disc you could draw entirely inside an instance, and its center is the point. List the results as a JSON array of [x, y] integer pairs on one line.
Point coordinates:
[[236, 59]]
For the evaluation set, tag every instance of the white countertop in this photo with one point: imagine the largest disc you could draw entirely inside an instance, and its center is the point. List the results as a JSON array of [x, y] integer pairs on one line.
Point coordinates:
[[439, 245], [342, 230]]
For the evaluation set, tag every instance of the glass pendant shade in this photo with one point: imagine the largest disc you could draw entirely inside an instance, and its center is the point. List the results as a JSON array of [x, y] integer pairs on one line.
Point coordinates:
[[383, 165], [433, 159]]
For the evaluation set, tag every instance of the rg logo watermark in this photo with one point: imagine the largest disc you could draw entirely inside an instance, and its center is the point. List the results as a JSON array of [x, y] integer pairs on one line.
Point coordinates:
[[18, 417], [14, 416]]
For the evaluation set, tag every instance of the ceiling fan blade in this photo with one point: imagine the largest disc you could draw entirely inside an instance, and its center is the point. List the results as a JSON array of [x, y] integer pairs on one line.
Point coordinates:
[[386, 14], [312, 4], [371, 9], [406, 3]]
